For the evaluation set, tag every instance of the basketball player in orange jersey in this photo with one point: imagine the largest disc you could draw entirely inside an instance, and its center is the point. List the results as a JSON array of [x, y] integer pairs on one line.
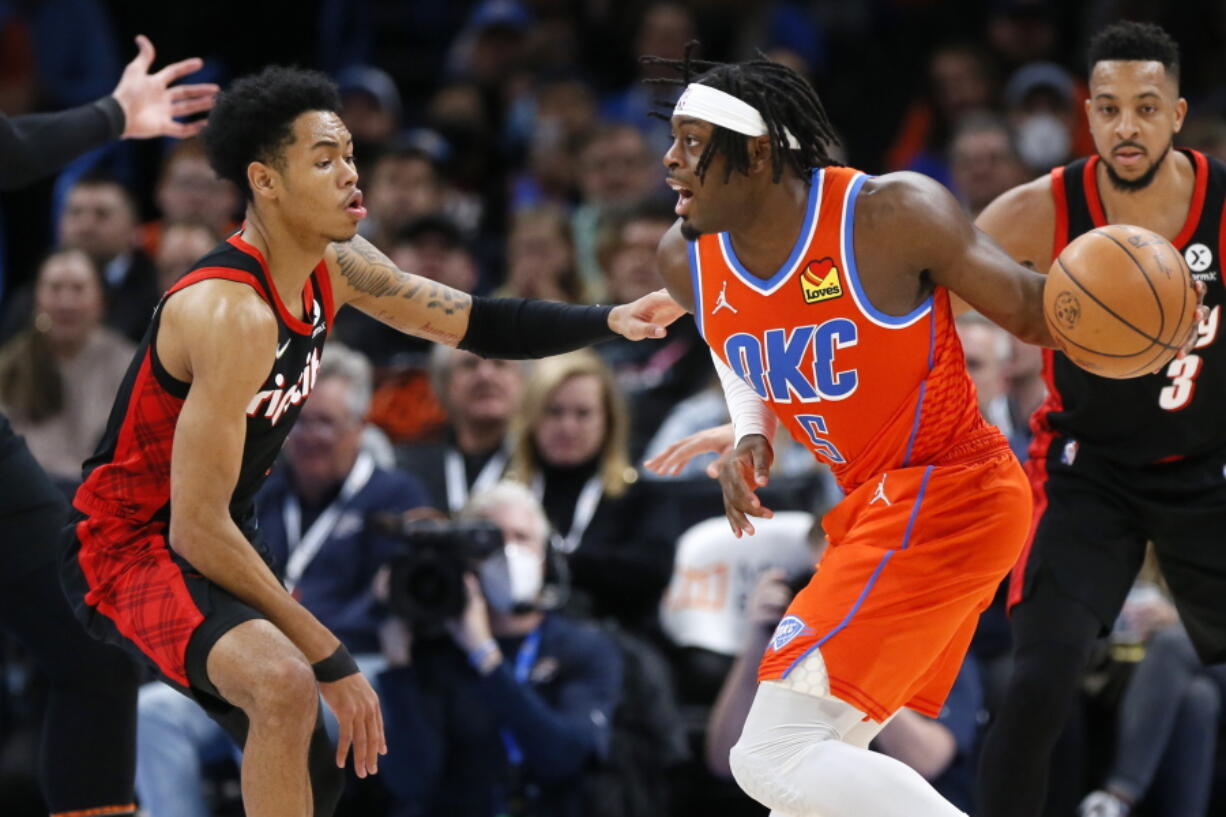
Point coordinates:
[[231, 353], [824, 295], [1114, 464]]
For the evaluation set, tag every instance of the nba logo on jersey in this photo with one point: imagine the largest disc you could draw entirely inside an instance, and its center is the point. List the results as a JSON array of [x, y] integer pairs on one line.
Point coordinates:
[[820, 281], [789, 627], [1070, 452]]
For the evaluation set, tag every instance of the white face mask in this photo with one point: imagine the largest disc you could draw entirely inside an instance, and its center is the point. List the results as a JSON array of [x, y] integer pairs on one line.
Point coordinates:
[[513, 578], [1043, 141]]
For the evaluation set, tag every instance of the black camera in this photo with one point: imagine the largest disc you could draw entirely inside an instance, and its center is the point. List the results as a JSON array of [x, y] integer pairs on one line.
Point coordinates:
[[426, 585]]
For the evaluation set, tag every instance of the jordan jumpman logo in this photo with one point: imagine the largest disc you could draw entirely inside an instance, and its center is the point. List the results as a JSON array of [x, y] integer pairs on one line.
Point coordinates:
[[722, 301], [880, 493]]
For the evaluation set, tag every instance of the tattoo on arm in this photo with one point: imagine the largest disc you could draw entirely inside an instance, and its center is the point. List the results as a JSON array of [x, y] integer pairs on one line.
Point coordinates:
[[372, 273]]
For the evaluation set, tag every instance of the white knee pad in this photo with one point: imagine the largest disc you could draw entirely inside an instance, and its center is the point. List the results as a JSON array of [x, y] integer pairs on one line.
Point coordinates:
[[783, 726]]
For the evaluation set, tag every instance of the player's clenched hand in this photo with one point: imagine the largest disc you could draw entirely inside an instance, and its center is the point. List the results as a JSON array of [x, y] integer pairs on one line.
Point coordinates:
[[741, 474], [673, 459], [356, 707], [646, 317]]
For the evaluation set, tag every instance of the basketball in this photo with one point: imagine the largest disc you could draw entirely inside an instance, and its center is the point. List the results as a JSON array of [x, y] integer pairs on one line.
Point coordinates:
[[1119, 301]]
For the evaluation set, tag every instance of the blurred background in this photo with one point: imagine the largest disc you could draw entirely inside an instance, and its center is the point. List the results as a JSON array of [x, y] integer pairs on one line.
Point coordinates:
[[505, 147]]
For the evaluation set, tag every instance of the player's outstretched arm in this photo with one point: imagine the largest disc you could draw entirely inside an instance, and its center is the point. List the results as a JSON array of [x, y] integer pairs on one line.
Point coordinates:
[[939, 237], [491, 327]]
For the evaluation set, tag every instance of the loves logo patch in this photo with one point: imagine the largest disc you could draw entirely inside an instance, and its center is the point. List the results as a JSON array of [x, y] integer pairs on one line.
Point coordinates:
[[820, 281]]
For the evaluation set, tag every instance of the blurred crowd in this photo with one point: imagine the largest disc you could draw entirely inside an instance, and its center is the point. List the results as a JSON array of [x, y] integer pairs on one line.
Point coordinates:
[[507, 147]]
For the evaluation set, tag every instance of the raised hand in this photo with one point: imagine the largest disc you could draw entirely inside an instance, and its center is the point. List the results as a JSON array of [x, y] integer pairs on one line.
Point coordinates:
[[150, 105]]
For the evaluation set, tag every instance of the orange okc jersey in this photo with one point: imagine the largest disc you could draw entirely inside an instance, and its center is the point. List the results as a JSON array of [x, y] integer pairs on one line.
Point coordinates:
[[864, 391]]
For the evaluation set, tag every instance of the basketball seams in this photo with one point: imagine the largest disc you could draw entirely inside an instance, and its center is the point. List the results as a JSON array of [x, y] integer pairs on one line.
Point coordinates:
[[1144, 274], [1113, 314]]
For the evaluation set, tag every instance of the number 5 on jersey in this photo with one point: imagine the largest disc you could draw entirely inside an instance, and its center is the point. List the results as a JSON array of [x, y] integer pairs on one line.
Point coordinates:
[[814, 425]]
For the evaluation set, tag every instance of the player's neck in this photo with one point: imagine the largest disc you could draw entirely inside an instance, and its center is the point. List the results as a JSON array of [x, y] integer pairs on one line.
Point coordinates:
[[291, 257], [772, 227], [1161, 206]]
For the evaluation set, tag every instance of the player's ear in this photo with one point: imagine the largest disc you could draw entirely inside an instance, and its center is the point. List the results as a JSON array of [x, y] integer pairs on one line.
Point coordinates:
[[759, 148], [262, 180], [1181, 110]]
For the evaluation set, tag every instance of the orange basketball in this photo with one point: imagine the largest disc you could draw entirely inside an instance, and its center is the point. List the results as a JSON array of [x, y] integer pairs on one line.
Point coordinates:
[[1119, 300]]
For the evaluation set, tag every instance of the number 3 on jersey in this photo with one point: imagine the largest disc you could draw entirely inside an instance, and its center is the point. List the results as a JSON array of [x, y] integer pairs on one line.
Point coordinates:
[[1183, 372], [814, 425]]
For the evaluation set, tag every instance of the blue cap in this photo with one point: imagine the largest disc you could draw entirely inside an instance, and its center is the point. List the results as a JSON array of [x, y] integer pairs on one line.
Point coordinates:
[[499, 14]]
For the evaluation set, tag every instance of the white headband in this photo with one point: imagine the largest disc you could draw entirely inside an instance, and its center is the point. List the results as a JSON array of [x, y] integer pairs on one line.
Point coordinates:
[[723, 109]]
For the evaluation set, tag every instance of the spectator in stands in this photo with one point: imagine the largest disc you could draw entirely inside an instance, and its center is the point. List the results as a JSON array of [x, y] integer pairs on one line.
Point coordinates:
[[189, 190], [404, 405], [59, 374], [182, 244], [541, 258], [960, 81], [664, 30], [570, 449], [615, 170], [404, 184], [655, 375], [370, 106], [1044, 110], [509, 713], [552, 123], [100, 217], [313, 519], [480, 397], [984, 161], [1167, 722]]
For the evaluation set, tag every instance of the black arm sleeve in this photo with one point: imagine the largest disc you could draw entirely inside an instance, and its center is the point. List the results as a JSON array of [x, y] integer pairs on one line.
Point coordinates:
[[38, 144], [514, 328]]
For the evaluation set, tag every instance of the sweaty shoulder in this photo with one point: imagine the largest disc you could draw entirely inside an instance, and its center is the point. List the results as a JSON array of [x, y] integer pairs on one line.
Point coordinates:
[[217, 324], [673, 259], [1023, 222]]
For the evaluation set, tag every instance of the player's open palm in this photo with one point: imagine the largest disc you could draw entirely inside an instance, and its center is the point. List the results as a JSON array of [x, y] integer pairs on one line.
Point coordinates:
[[356, 707], [151, 106], [742, 473]]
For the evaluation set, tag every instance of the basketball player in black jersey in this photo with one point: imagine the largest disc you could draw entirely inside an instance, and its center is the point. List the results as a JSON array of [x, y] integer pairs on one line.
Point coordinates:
[[88, 755], [159, 556], [1114, 463]]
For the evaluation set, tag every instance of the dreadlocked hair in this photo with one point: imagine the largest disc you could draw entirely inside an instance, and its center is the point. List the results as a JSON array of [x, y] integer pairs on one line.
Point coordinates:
[[785, 99]]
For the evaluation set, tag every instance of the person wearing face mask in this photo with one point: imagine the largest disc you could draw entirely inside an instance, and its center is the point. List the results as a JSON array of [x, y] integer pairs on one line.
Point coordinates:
[[506, 715], [571, 450]]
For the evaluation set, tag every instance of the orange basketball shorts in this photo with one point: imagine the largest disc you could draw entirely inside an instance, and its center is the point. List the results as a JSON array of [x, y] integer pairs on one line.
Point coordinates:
[[914, 557]]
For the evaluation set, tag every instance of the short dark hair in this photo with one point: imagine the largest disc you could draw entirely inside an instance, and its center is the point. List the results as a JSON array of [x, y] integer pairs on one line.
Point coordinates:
[[787, 101], [1128, 40], [253, 118]]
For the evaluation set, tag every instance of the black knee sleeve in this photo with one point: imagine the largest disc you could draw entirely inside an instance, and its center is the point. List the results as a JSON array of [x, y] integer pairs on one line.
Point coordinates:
[[327, 779]]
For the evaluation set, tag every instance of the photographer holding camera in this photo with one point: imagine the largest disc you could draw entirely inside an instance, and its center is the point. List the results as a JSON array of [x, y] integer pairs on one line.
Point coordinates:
[[497, 704]]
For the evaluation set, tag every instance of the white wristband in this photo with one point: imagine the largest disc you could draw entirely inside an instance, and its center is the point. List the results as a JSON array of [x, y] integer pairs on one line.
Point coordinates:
[[749, 414]]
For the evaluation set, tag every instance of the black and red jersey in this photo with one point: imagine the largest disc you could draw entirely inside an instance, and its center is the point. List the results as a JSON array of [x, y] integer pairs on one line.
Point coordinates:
[[1158, 417], [129, 475]]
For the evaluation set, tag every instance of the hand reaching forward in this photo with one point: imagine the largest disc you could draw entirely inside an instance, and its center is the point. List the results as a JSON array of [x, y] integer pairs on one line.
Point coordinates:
[[646, 317]]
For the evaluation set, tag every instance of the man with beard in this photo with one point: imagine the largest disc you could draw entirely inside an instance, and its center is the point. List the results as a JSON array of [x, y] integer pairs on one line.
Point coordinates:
[[1114, 463]]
